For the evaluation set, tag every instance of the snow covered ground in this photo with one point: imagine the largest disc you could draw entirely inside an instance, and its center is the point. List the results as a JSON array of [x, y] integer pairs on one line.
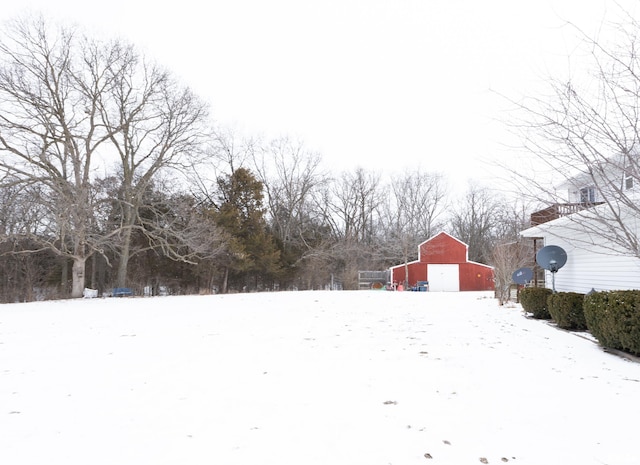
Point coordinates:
[[331, 378]]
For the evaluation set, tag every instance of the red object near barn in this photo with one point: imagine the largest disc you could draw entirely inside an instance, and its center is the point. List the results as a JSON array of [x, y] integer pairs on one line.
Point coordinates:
[[443, 261]]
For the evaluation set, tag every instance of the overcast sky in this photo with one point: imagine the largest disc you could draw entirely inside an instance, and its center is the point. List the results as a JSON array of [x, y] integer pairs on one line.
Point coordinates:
[[383, 84]]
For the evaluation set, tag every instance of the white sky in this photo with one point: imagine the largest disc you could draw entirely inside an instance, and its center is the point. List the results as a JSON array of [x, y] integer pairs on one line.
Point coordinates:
[[383, 84]]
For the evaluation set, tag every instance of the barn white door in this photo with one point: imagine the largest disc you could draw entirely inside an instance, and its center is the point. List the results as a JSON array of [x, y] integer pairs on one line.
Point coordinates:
[[444, 278]]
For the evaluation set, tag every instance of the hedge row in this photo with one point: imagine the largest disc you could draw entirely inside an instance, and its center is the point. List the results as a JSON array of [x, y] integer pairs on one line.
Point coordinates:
[[566, 309], [534, 301], [613, 317]]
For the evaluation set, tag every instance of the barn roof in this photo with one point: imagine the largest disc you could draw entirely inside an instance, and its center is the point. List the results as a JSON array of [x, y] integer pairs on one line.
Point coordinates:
[[446, 234]]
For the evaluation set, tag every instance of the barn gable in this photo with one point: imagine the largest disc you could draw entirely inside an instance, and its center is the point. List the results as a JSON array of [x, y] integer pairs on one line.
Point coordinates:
[[443, 248]]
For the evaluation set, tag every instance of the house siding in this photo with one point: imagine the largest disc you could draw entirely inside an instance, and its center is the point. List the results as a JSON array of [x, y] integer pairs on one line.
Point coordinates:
[[596, 268], [593, 261]]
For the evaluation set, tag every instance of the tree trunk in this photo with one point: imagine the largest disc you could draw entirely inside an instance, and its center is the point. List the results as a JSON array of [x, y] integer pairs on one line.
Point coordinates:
[[225, 280], [77, 286], [123, 264], [64, 276], [94, 271], [405, 283]]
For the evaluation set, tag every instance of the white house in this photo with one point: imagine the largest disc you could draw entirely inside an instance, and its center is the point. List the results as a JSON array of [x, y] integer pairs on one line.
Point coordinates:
[[599, 228]]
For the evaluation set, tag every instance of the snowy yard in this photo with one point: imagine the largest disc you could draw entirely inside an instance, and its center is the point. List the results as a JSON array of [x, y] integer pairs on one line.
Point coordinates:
[[326, 378]]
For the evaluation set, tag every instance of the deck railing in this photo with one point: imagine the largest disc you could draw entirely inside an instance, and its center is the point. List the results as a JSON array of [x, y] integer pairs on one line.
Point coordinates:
[[558, 210]]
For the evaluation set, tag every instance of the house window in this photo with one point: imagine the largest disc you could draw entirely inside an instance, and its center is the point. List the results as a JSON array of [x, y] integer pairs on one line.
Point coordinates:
[[628, 182], [587, 195]]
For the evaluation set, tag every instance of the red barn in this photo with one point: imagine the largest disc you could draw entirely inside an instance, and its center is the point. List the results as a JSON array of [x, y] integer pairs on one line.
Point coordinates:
[[443, 261]]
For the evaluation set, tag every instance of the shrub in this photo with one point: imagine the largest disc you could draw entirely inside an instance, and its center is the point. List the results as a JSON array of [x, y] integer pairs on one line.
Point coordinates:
[[598, 317], [534, 300], [566, 309], [613, 317]]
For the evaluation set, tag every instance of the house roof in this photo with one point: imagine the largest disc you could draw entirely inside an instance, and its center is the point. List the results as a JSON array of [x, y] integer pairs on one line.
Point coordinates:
[[601, 171]]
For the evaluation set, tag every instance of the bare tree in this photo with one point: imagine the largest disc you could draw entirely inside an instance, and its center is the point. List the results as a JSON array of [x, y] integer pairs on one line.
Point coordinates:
[[353, 205], [226, 152], [291, 175], [411, 212], [24, 266], [181, 230], [352, 211], [506, 259], [475, 220], [231, 150], [73, 107], [50, 133], [155, 125], [582, 141], [510, 251]]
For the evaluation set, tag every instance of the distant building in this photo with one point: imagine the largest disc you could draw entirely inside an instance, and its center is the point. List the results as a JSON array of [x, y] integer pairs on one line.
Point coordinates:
[[443, 261]]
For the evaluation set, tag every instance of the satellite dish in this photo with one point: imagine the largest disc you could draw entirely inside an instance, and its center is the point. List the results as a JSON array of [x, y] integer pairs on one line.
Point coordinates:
[[551, 258], [522, 275]]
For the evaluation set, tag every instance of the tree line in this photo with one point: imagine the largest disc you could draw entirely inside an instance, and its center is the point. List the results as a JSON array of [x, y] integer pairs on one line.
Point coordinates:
[[113, 175]]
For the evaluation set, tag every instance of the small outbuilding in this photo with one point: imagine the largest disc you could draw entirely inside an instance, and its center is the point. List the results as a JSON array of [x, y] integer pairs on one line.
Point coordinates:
[[443, 261]]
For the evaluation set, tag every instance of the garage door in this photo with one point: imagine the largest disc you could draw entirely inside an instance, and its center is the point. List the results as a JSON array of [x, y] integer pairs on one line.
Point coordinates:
[[444, 278]]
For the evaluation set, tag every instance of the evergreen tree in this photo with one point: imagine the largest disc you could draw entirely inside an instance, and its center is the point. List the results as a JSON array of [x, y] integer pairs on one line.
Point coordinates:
[[253, 260]]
